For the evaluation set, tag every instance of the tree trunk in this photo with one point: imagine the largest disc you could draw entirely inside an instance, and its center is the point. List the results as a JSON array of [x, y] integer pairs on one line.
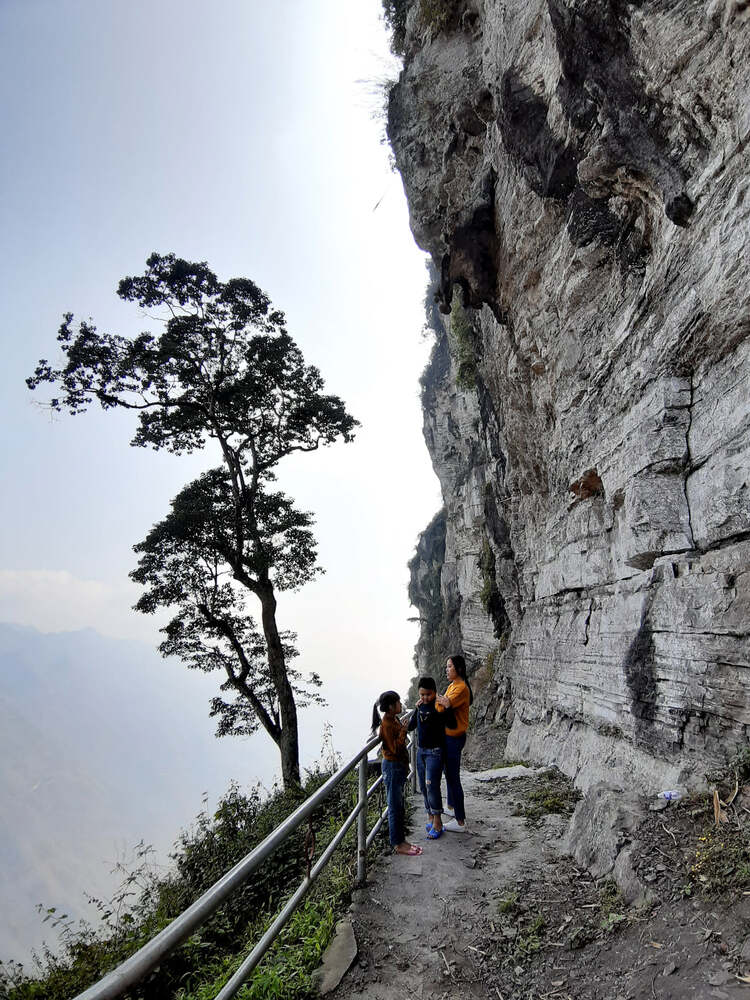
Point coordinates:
[[289, 741]]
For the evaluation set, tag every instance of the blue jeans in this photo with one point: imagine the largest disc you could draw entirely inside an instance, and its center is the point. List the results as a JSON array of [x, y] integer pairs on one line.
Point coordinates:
[[453, 747], [394, 778], [430, 771]]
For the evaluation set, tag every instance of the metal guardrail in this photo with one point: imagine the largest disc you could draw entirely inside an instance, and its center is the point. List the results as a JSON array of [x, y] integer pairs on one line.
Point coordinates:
[[135, 968]]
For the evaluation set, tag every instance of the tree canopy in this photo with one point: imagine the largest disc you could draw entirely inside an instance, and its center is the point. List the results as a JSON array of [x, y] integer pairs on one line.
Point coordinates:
[[221, 367], [186, 563], [224, 367]]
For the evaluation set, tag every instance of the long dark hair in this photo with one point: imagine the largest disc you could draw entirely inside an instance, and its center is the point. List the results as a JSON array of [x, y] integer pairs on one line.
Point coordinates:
[[383, 703], [460, 664]]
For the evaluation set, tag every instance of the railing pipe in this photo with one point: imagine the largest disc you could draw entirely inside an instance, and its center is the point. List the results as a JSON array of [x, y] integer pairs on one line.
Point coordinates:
[[245, 970], [362, 824], [151, 954], [376, 829], [374, 786]]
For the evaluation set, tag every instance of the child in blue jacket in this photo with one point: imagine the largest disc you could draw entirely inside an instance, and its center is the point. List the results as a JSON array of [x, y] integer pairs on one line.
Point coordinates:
[[430, 725]]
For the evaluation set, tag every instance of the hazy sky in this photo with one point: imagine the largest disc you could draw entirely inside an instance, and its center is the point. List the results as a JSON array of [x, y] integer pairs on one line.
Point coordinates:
[[248, 135]]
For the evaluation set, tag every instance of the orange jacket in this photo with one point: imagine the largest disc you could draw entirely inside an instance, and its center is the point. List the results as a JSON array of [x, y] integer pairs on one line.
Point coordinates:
[[393, 734], [458, 695]]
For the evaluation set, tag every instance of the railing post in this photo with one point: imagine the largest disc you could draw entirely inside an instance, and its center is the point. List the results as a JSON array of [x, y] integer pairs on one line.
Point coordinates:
[[362, 824], [413, 755]]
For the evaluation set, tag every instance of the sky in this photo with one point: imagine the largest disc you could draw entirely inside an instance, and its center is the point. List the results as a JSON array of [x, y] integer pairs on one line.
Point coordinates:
[[248, 135]]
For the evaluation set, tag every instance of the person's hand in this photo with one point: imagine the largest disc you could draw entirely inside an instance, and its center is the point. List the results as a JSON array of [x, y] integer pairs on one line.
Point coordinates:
[[442, 700]]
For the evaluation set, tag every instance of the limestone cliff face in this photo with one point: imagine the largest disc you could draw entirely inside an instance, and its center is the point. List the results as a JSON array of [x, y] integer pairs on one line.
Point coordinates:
[[579, 170]]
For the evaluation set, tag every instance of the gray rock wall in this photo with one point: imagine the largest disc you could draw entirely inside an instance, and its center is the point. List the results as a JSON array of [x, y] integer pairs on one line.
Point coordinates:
[[579, 171]]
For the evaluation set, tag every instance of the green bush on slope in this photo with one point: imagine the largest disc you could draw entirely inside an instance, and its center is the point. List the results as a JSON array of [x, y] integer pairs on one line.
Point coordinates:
[[149, 900]]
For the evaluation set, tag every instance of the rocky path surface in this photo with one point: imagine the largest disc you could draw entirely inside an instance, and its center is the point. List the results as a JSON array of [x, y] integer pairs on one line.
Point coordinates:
[[502, 912]]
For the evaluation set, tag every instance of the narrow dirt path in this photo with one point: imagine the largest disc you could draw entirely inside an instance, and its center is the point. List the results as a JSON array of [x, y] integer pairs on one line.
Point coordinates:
[[422, 923], [502, 912]]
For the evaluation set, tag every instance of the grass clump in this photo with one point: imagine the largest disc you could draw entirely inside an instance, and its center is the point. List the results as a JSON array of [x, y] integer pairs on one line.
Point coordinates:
[[720, 865], [286, 970], [437, 15], [612, 921], [611, 906], [718, 859], [531, 939], [552, 793]]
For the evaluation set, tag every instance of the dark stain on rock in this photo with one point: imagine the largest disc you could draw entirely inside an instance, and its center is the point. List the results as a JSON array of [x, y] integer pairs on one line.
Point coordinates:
[[590, 219], [470, 262], [491, 597], [579, 107], [490, 423], [497, 526], [472, 116], [679, 209], [548, 165], [598, 84], [593, 39], [640, 677]]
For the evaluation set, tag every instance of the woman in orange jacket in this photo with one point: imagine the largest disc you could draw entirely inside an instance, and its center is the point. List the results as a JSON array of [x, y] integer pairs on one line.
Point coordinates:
[[459, 697]]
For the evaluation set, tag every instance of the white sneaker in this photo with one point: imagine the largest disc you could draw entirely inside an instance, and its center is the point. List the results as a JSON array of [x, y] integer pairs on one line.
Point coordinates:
[[454, 826]]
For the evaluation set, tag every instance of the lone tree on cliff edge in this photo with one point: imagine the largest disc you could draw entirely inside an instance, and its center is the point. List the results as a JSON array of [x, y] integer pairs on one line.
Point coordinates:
[[223, 368]]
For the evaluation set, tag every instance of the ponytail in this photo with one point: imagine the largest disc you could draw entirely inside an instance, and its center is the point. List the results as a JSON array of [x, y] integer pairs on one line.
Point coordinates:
[[383, 703], [460, 664]]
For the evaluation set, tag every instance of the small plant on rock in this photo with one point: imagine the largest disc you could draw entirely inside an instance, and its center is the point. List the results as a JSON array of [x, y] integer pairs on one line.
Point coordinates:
[[531, 940], [394, 14], [436, 14], [552, 794], [462, 344], [509, 904]]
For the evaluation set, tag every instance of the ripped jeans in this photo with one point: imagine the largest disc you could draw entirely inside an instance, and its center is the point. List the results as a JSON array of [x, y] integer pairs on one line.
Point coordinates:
[[430, 771]]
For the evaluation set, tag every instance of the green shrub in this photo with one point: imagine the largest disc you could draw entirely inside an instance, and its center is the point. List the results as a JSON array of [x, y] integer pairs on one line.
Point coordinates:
[[394, 13], [437, 14], [509, 904], [552, 793], [148, 900], [462, 344], [530, 940]]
